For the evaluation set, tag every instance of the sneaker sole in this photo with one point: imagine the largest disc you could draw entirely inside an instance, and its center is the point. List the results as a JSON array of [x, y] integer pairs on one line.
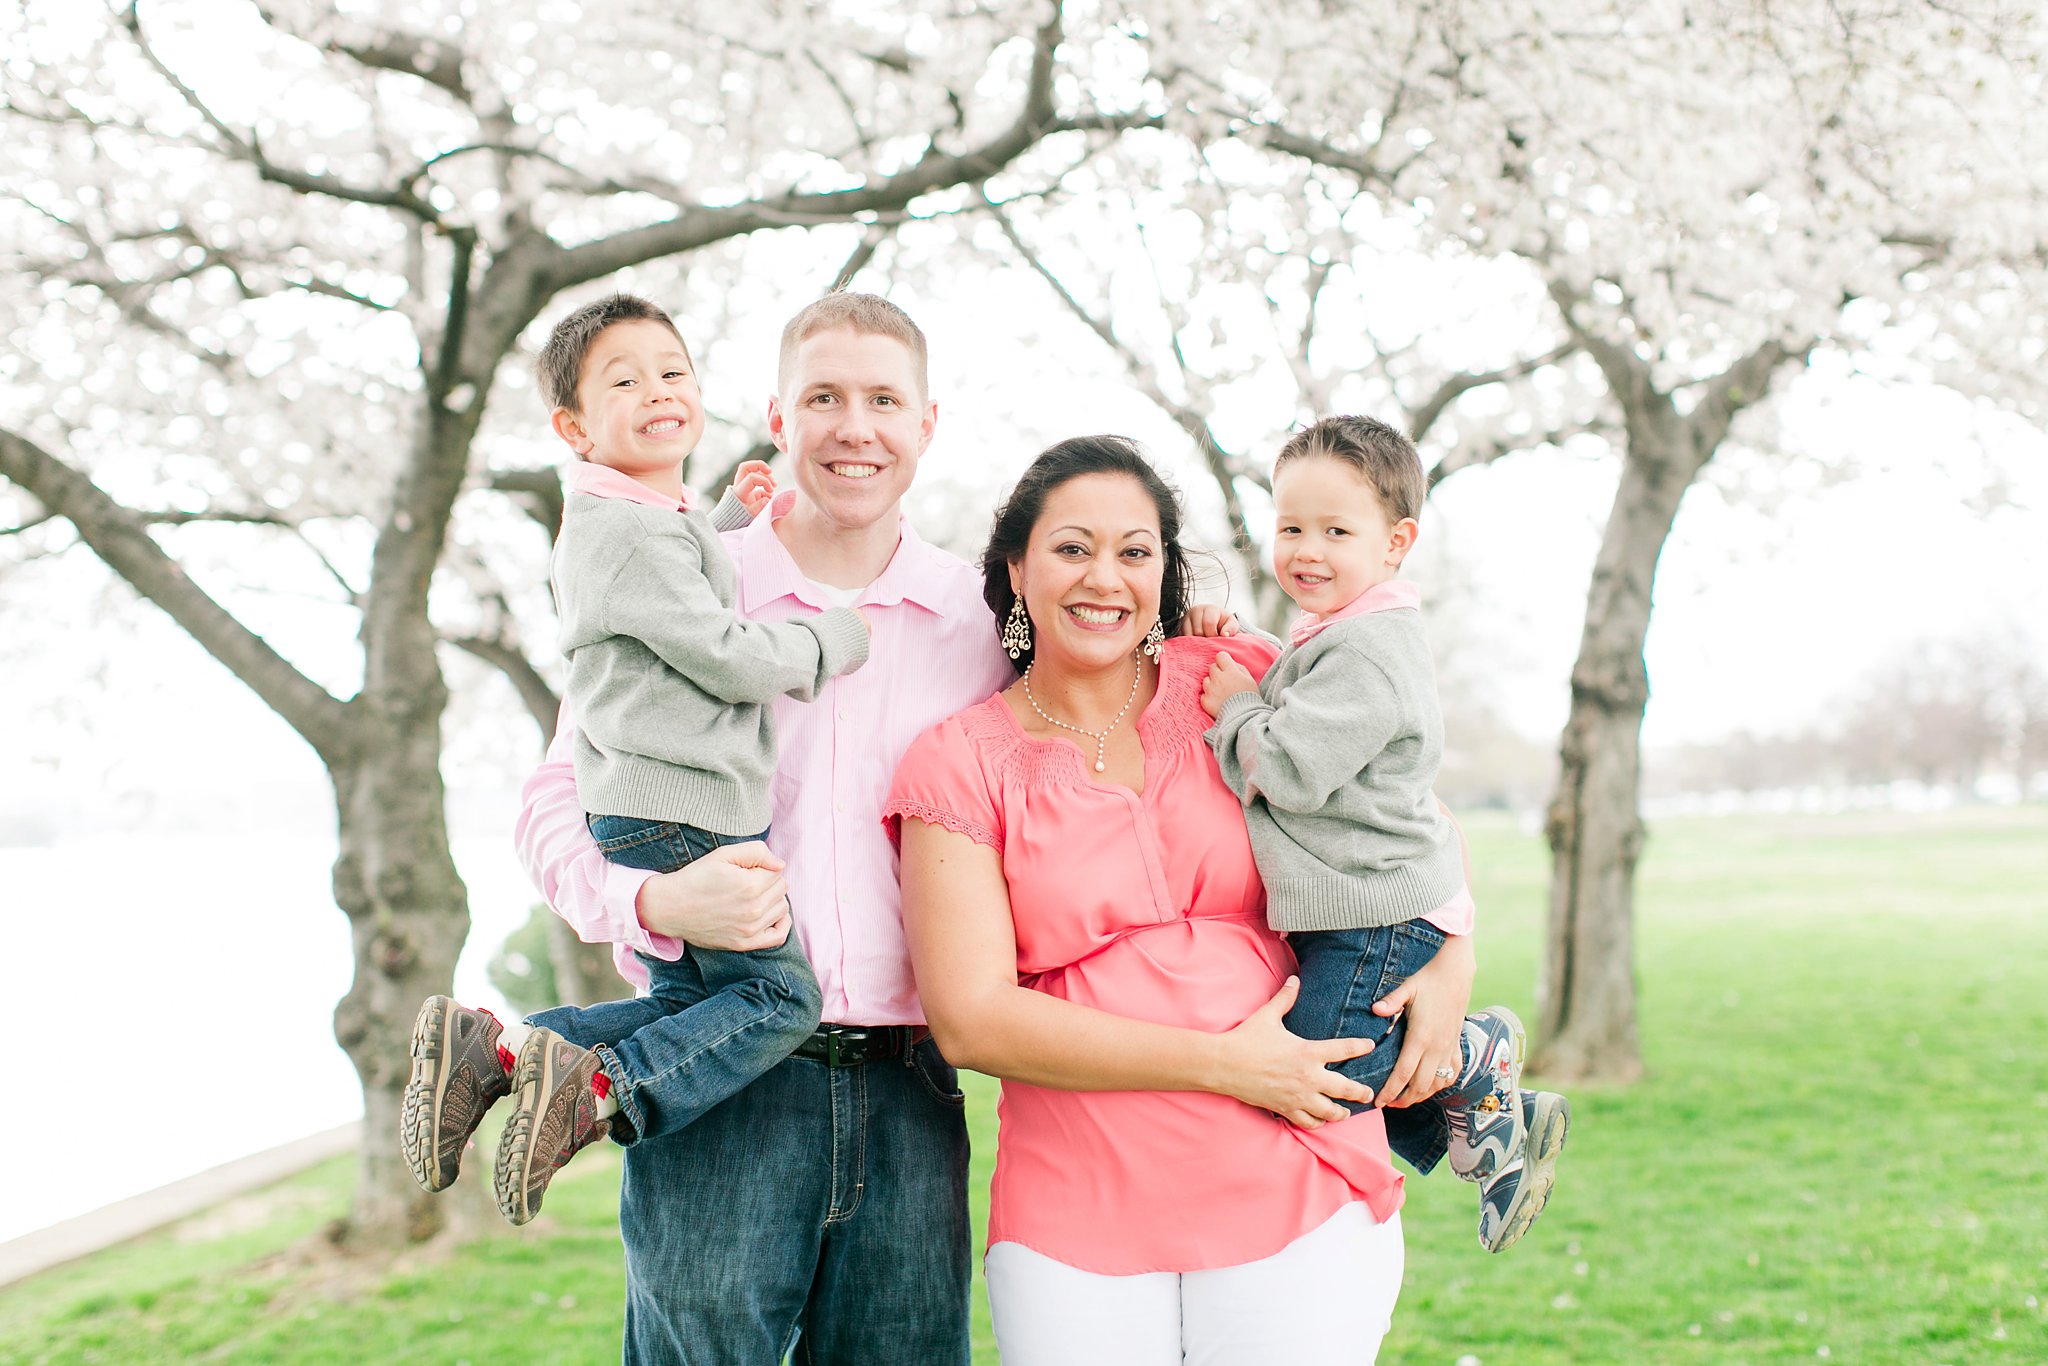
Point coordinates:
[[1549, 1121], [419, 1113]]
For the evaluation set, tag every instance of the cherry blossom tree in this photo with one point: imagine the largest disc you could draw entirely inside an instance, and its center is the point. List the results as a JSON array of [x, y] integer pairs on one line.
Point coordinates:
[[269, 268], [1244, 293], [1707, 194]]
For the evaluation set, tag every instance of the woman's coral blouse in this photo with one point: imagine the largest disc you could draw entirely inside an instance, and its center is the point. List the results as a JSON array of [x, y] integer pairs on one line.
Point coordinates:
[[1146, 906]]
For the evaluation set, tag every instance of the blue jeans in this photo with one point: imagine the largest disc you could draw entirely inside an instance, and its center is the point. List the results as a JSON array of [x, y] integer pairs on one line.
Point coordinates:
[[1342, 973], [820, 1214], [711, 1021]]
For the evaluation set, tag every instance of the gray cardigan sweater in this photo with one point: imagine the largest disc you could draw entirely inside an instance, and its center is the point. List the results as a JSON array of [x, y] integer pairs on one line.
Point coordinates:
[[1334, 757], [670, 686]]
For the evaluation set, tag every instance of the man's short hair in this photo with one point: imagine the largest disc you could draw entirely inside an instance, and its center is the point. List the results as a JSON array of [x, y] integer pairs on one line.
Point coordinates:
[[1385, 456], [868, 314], [560, 366]]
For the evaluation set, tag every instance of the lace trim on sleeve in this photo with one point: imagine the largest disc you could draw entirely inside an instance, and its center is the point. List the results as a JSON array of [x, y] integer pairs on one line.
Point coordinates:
[[893, 814]]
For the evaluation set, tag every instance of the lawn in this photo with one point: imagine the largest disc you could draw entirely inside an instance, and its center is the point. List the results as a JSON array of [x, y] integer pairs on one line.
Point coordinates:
[[1840, 1154]]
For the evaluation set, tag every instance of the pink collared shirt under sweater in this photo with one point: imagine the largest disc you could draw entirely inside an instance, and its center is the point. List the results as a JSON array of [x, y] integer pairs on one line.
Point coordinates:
[[602, 481], [934, 652], [1459, 914]]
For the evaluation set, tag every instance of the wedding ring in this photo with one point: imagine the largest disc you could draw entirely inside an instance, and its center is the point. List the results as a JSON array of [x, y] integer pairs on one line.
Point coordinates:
[[1446, 1073]]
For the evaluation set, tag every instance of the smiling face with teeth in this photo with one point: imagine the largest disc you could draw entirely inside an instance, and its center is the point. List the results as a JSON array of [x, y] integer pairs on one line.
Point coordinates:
[[853, 417], [1091, 573], [638, 407]]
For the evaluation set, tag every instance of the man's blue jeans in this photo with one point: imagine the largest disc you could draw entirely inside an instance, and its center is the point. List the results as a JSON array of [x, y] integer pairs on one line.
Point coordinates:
[[819, 1214], [1342, 973], [711, 1021]]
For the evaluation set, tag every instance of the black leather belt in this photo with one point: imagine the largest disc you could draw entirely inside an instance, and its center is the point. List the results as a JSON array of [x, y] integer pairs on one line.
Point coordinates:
[[852, 1045]]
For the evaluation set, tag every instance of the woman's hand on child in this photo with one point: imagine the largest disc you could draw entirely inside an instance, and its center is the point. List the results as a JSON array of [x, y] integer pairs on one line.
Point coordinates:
[[754, 483], [1268, 1067], [1227, 678], [1207, 619], [733, 898], [1436, 997]]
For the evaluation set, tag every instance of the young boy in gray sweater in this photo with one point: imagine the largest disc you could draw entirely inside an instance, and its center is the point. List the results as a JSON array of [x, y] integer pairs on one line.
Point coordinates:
[[1335, 754], [675, 750]]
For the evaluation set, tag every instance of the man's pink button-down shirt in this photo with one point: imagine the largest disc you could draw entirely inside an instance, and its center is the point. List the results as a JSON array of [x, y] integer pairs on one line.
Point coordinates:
[[934, 652]]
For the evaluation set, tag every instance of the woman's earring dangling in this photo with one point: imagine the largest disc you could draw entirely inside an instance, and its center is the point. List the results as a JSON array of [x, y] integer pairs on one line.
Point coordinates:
[[1154, 639], [1017, 630]]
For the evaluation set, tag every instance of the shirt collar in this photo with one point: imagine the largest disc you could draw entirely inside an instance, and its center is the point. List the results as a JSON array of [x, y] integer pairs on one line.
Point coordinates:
[[1381, 597], [602, 481], [915, 573]]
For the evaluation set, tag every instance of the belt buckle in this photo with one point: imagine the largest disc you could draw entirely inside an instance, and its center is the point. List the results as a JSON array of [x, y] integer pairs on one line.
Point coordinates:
[[847, 1045]]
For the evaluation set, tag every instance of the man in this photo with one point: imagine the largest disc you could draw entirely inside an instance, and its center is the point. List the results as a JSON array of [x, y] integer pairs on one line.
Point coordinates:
[[825, 1205]]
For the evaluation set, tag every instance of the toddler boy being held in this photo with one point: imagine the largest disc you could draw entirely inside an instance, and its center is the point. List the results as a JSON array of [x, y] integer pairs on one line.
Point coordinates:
[[1335, 755], [674, 753]]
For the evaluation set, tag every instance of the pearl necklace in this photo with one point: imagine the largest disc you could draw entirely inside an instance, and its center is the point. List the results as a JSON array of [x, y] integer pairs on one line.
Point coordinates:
[[1100, 737]]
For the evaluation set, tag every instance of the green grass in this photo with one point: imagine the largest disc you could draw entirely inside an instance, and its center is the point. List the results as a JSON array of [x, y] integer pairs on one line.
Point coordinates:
[[1840, 1153]]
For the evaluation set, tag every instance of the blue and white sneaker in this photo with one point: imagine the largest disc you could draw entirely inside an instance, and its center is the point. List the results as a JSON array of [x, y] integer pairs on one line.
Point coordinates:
[[1510, 1200], [1483, 1107]]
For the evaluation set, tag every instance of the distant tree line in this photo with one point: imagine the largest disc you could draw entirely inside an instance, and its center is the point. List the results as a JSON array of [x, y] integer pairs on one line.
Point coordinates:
[[1952, 715]]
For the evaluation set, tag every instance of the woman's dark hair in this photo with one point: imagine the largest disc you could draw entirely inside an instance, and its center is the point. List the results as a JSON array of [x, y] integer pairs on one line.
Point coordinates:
[[1070, 459]]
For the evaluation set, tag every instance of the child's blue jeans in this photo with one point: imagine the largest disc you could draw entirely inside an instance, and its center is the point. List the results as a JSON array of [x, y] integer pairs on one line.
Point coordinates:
[[1342, 973], [711, 1021]]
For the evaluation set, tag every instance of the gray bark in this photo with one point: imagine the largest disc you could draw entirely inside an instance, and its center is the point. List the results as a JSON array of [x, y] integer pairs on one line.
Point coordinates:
[[1586, 996]]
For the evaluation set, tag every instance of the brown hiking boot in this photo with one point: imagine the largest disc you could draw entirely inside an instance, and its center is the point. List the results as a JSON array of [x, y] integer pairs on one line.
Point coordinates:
[[554, 1116], [458, 1071]]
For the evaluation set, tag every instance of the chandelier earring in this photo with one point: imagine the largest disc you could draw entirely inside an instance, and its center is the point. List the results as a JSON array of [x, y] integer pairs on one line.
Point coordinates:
[[1017, 629], [1155, 639]]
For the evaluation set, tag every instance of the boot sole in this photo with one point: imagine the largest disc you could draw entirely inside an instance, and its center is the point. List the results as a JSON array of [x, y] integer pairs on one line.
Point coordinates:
[[419, 1112], [535, 1078]]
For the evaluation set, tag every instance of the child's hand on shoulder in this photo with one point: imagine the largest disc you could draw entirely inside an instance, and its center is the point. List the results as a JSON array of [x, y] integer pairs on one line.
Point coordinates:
[[1227, 678], [1208, 619], [754, 483]]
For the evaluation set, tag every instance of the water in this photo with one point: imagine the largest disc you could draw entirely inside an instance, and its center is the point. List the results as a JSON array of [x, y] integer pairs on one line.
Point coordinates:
[[176, 998]]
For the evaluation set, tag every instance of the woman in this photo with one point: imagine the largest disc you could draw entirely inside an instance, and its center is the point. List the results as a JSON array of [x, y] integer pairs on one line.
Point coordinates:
[[1086, 923]]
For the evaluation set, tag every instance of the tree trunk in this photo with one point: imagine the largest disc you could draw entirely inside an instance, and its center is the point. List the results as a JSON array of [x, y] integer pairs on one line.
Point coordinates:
[[1587, 993], [408, 916]]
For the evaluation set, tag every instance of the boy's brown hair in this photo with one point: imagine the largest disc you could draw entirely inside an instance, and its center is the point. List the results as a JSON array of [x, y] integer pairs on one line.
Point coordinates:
[[560, 365], [868, 314], [1381, 453]]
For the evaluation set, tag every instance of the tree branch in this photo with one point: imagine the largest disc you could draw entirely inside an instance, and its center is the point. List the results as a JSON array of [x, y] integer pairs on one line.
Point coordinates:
[[1627, 374], [539, 492], [1425, 415], [697, 225], [246, 149], [119, 536], [411, 54], [30, 525], [187, 518], [541, 703], [863, 252], [1466, 457], [1740, 385]]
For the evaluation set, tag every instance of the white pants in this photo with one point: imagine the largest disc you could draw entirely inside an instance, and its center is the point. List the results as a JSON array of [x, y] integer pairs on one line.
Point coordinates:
[[1328, 1296]]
